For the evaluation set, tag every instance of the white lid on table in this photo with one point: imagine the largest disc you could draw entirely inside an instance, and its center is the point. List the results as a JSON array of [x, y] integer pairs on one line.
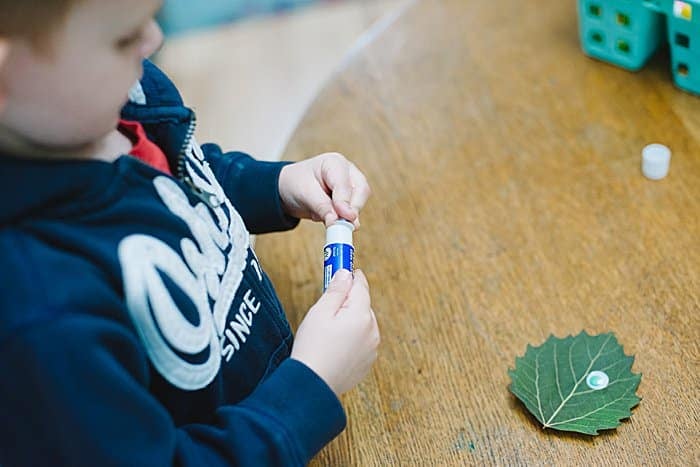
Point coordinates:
[[656, 159]]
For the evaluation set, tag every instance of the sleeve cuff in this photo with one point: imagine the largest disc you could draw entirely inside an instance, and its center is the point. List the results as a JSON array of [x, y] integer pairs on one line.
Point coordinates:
[[262, 210], [302, 403]]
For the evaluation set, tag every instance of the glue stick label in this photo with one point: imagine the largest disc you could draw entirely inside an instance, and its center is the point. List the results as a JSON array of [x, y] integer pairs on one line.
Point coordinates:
[[337, 256]]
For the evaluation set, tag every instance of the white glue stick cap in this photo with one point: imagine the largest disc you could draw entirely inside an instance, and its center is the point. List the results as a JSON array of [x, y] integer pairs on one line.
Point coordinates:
[[656, 159], [340, 232]]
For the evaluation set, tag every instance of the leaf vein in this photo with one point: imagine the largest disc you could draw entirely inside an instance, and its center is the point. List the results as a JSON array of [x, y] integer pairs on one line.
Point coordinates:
[[612, 365], [556, 373], [611, 384], [537, 384], [573, 390], [571, 365], [592, 411]]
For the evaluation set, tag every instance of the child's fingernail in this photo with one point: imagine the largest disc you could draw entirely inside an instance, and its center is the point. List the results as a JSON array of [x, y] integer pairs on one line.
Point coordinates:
[[342, 275]]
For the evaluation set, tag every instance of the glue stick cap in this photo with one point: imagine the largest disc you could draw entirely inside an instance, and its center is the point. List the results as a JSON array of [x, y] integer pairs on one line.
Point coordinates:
[[656, 159], [340, 232]]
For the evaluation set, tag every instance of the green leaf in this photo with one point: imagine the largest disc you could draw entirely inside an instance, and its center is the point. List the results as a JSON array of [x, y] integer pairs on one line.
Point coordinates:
[[555, 383]]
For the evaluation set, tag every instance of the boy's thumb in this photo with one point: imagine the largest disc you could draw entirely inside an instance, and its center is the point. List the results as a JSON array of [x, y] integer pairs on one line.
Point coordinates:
[[337, 291], [322, 207]]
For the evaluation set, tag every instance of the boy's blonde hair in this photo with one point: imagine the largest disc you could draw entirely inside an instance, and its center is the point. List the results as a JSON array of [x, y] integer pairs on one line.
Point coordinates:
[[33, 20]]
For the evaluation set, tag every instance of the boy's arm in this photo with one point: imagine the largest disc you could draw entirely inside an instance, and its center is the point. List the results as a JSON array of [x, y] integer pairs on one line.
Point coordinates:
[[253, 188], [74, 391], [251, 185]]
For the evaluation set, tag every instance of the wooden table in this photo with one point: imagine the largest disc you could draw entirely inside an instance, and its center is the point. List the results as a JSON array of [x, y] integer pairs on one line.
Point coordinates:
[[508, 204]]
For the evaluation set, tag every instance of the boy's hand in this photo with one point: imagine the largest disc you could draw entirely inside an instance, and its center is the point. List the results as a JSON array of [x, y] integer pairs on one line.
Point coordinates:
[[338, 338], [324, 188]]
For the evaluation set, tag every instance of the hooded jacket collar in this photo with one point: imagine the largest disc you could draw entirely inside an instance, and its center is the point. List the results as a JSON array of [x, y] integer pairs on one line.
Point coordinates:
[[35, 186]]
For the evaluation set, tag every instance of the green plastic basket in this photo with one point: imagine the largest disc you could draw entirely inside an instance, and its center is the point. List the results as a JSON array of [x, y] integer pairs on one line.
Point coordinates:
[[178, 16], [684, 38], [627, 32], [622, 32]]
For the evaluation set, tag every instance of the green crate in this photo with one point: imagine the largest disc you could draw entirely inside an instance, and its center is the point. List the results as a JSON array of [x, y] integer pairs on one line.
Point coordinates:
[[660, 6], [686, 70], [622, 32], [178, 16], [627, 32], [684, 39]]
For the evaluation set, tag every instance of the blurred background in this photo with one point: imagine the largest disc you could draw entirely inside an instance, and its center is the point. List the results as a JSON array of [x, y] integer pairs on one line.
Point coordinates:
[[250, 68]]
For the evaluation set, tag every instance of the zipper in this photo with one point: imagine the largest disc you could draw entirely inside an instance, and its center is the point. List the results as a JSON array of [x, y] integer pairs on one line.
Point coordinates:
[[208, 198]]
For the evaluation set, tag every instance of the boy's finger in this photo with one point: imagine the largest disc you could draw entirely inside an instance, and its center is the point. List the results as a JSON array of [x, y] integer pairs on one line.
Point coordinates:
[[359, 293], [341, 202], [336, 293], [320, 206], [330, 218], [336, 176], [344, 210], [361, 190], [323, 209], [361, 279]]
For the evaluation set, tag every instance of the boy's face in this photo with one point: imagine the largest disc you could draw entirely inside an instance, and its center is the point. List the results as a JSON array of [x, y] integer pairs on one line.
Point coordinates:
[[70, 95]]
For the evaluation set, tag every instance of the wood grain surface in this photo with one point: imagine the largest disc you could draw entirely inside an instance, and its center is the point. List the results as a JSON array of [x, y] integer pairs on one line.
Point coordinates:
[[508, 205]]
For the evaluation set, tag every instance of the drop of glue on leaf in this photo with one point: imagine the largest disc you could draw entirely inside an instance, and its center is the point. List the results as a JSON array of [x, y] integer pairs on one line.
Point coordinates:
[[597, 380]]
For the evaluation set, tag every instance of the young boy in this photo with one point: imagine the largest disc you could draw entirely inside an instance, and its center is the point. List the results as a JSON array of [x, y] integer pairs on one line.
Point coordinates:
[[136, 324]]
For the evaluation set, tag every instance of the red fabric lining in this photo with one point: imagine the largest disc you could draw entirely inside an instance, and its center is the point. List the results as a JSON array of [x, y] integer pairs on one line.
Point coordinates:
[[144, 149]]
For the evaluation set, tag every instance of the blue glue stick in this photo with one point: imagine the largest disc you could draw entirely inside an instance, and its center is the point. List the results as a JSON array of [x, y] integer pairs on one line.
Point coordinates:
[[338, 253]]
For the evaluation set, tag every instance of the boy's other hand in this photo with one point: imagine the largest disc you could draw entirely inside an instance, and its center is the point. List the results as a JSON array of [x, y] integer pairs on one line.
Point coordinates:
[[324, 188], [339, 336]]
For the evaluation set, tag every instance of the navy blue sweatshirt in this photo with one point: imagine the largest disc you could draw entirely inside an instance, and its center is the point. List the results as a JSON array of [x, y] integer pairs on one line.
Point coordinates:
[[137, 327]]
